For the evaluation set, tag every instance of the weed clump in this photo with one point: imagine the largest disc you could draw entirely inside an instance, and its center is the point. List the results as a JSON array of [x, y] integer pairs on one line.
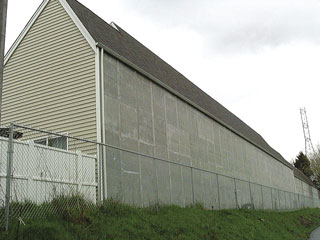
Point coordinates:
[[73, 209], [114, 208], [75, 218]]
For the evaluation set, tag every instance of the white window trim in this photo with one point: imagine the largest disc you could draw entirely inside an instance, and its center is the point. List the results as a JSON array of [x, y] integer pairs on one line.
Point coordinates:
[[47, 137]]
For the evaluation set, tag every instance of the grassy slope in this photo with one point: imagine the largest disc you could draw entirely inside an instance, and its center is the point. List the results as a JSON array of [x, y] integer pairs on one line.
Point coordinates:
[[118, 221]]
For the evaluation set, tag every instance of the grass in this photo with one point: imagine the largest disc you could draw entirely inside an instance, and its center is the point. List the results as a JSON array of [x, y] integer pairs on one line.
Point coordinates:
[[119, 221]]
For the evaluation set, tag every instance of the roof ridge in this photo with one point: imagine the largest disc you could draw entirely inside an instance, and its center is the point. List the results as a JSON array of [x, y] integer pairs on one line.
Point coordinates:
[[135, 52], [189, 80], [122, 30], [88, 9]]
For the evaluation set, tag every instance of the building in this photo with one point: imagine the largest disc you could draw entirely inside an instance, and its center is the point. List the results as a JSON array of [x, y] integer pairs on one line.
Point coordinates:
[[72, 72]]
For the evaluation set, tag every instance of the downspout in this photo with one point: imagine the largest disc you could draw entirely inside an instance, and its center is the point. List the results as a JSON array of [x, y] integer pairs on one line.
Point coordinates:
[[99, 125], [102, 129]]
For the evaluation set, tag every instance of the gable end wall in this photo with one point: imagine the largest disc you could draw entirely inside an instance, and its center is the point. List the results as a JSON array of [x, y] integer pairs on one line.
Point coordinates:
[[50, 79]]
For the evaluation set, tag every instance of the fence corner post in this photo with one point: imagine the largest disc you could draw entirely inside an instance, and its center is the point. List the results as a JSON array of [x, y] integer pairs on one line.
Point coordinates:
[[235, 192], [9, 175]]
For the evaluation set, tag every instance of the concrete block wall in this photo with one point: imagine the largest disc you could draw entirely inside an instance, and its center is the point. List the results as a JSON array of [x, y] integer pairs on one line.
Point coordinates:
[[210, 165]]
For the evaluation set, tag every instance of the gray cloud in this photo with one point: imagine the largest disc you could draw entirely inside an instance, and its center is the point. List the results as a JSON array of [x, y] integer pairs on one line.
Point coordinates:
[[236, 25]]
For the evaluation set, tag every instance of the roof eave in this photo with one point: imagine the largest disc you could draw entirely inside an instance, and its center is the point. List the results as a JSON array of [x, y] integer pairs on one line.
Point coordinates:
[[25, 31], [157, 81], [35, 16]]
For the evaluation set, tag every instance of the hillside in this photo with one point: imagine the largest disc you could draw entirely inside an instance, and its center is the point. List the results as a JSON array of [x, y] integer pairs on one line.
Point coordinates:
[[118, 221]]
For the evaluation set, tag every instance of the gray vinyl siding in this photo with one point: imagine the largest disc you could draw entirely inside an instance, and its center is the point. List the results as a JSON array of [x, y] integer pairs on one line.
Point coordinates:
[[49, 81]]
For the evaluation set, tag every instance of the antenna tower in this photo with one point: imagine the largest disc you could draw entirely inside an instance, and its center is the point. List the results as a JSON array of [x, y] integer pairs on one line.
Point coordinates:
[[306, 131]]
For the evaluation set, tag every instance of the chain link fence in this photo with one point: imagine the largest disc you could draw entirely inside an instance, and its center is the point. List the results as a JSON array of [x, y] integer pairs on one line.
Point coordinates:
[[142, 180], [43, 173]]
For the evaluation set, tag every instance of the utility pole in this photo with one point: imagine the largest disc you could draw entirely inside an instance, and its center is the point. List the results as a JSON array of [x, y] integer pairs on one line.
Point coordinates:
[[3, 23]]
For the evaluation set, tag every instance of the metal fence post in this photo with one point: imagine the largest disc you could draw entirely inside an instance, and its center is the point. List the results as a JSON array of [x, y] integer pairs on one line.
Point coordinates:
[[9, 175], [262, 203], [191, 168], [218, 190], [99, 177], [77, 170], [235, 192], [101, 185], [290, 201], [251, 199], [271, 199], [156, 176]]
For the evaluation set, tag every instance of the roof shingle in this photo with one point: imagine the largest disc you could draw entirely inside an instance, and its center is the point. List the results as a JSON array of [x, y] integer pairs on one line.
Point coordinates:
[[128, 47]]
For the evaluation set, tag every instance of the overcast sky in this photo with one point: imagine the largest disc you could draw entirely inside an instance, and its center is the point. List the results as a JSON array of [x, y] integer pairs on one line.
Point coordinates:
[[258, 58]]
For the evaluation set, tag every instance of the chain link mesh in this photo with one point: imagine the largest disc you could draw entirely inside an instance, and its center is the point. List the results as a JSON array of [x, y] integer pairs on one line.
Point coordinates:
[[51, 173]]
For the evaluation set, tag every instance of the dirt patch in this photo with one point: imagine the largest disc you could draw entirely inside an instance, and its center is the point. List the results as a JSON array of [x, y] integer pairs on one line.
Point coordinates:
[[306, 221]]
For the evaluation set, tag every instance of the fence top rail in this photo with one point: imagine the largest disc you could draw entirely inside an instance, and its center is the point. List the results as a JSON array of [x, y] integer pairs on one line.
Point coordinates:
[[29, 142], [54, 133], [141, 154]]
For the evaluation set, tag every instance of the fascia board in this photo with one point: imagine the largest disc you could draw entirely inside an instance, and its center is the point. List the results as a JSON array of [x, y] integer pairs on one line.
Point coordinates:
[[25, 30], [79, 24], [35, 16]]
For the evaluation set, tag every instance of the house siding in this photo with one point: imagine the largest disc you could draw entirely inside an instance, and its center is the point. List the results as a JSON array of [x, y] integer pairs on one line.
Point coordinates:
[[49, 81]]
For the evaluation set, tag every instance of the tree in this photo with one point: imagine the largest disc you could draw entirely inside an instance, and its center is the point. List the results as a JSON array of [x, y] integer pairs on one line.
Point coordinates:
[[302, 162], [315, 166]]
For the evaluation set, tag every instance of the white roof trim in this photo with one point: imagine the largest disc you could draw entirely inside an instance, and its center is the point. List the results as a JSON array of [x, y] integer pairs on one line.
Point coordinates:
[[25, 30], [79, 24], [114, 26]]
